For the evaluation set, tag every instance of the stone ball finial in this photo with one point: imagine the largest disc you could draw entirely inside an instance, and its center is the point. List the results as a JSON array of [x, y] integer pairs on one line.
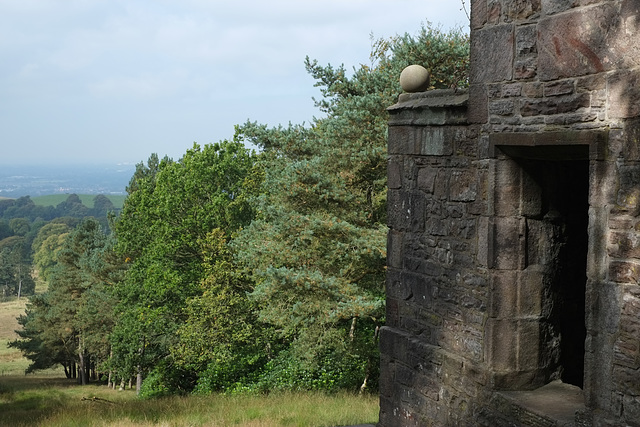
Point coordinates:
[[414, 78]]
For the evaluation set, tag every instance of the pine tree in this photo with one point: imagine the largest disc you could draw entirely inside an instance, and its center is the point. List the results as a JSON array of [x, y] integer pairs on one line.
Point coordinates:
[[317, 247]]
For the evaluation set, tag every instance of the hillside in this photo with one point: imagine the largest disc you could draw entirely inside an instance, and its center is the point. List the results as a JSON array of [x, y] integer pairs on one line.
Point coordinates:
[[87, 199], [11, 360]]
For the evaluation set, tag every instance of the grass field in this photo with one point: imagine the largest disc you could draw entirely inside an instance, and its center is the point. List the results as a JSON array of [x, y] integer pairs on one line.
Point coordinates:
[[11, 360], [87, 199], [55, 402], [49, 399]]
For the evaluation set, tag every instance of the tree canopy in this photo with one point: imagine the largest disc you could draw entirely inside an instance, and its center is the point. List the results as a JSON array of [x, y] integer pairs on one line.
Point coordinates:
[[317, 247]]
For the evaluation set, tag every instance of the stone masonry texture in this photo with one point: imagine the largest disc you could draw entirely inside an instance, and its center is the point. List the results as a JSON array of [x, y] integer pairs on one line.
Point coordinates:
[[514, 226]]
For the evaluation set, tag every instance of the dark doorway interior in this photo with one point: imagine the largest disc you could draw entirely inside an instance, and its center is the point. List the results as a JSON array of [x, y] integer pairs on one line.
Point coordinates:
[[562, 177]]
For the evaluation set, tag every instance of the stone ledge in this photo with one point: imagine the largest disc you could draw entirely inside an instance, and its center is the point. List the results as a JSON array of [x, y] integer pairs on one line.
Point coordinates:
[[555, 404], [439, 98], [435, 107]]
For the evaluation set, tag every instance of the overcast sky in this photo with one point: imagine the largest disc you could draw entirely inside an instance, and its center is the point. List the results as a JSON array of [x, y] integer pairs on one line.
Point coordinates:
[[112, 81]]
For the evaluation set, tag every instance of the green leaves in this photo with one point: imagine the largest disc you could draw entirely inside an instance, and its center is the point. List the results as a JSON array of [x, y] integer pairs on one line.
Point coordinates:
[[162, 232], [75, 315], [318, 246]]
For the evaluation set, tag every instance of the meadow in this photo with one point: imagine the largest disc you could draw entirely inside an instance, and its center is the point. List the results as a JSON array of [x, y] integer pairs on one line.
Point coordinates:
[[49, 399], [87, 199]]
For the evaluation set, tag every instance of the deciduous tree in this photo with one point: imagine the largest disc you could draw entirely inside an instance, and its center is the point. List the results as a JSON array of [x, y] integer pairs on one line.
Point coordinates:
[[171, 209]]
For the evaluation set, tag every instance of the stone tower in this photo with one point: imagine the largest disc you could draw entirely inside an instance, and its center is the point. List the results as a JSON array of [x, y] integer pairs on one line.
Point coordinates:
[[513, 286]]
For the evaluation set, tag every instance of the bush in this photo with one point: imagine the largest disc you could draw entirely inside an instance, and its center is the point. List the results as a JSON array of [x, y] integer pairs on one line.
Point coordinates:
[[166, 380], [332, 372]]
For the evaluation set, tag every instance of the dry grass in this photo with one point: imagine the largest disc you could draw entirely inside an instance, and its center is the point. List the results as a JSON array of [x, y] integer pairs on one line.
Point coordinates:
[[11, 360], [9, 312], [55, 402], [47, 399]]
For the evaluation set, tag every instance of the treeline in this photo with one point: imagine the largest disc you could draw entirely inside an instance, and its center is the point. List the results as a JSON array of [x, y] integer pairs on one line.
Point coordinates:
[[24, 207], [230, 270], [25, 252]]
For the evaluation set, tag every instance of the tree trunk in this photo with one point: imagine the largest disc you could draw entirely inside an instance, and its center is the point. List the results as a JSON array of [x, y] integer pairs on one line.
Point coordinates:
[[19, 287], [139, 374], [83, 368], [352, 331], [110, 379]]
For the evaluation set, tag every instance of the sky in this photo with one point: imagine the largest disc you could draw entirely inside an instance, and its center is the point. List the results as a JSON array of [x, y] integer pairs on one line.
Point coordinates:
[[112, 81]]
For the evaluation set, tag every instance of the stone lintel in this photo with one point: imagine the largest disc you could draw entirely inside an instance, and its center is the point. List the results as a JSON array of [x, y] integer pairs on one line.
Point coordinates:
[[566, 144]]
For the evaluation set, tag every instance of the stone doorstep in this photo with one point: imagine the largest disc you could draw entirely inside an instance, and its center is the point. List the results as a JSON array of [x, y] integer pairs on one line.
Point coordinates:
[[554, 404]]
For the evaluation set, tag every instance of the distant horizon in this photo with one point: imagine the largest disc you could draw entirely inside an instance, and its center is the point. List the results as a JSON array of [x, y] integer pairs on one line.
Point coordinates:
[[71, 163], [49, 179]]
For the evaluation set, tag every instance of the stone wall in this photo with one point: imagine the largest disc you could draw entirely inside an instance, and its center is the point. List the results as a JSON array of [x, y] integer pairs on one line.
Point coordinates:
[[436, 295], [514, 215]]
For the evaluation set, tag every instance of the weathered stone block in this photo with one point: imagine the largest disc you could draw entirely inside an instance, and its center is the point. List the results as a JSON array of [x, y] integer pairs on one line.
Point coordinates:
[[511, 90], [532, 288], [463, 185], [588, 40], [394, 174], [392, 310], [531, 197], [628, 197], [624, 271], [533, 89], [626, 351], [502, 107], [528, 344], [478, 104], [402, 139], [387, 373], [478, 13], [503, 298], [398, 287], [624, 94], [484, 254], [559, 105], [624, 244], [507, 243], [603, 183], [436, 141], [492, 54], [562, 87], [441, 190], [625, 143], [505, 178], [398, 210], [501, 338], [427, 179], [520, 9], [542, 237], [603, 311], [631, 405], [526, 68], [550, 7], [526, 40], [395, 245], [417, 212]]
